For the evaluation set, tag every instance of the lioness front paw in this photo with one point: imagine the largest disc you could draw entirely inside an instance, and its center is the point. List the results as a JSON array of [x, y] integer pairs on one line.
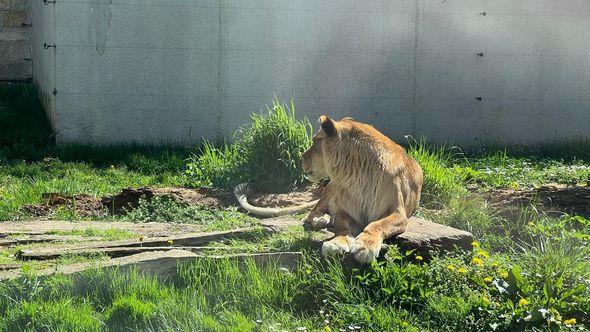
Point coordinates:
[[338, 246], [366, 248], [317, 223]]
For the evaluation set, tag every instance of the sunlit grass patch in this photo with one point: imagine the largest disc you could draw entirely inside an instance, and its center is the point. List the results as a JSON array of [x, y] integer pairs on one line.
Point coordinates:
[[498, 169]]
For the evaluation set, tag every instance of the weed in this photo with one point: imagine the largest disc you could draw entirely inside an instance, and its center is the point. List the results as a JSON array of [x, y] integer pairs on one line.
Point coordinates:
[[266, 152], [441, 184], [23, 125], [165, 209]]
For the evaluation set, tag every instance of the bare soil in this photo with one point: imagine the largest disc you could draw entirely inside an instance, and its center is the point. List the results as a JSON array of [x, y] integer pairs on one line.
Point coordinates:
[[84, 205], [554, 199], [129, 198], [87, 206]]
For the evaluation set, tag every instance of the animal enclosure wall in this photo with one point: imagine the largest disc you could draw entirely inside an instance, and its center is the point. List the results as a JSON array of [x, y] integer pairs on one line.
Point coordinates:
[[175, 71]]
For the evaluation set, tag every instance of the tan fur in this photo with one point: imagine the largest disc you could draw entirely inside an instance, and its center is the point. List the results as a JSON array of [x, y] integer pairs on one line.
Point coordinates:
[[374, 186]]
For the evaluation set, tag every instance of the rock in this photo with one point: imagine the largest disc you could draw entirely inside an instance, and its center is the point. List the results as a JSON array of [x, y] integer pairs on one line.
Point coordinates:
[[427, 237], [424, 237]]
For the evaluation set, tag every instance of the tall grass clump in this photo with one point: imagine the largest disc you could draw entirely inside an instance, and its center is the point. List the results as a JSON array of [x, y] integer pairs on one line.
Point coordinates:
[[23, 124], [265, 152], [441, 184]]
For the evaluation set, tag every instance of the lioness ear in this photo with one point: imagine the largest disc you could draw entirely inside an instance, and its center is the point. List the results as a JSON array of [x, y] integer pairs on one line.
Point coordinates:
[[327, 125]]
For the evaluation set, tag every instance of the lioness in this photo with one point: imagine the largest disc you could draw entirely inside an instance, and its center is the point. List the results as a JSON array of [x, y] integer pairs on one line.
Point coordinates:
[[374, 186]]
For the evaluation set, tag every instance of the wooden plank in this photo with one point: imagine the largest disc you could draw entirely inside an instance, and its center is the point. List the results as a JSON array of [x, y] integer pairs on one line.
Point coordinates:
[[164, 264], [39, 227], [11, 241], [113, 252], [5, 267], [126, 247]]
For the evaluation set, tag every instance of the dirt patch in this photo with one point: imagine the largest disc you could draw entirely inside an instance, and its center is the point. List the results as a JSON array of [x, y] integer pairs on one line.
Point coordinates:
[[550, 198], [82, 205], [128, 198], [297, 197], [86, 206]]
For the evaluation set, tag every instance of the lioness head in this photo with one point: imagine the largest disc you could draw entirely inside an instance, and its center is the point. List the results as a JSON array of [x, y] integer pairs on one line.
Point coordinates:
[[314, 161]]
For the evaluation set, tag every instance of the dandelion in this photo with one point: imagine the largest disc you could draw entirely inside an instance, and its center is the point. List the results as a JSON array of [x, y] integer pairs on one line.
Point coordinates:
[[494, 264], [531, 223], [486, 300], [475, 244], [477, 261], [451, 267], [419, 258], [523, 302], [170, 242], [462, 270], [503, 274], [571, 321], [488, 279], [482, 253]]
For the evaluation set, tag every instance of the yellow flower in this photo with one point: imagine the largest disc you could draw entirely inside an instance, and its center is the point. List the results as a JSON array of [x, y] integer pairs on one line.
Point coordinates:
[[531, 223], [483, 254], [170, 242], [462, 270], [419, 258], [475, 244], [477, 261], [485, 300], [494, 264], [523, 302], [488, 279], [451, 267], [570, 321], [503, 274]]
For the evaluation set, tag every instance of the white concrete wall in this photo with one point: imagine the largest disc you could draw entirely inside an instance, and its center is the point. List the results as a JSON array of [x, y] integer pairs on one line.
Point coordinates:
[[43, 31], [177, 70]]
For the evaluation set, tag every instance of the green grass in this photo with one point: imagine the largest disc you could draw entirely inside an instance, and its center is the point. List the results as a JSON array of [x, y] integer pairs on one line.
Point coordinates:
[[164, 209], [24, 182], [529, 272], [441, 183], [450, 293], [266, 152], [110, 234], [499, 169], [23, 125]]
